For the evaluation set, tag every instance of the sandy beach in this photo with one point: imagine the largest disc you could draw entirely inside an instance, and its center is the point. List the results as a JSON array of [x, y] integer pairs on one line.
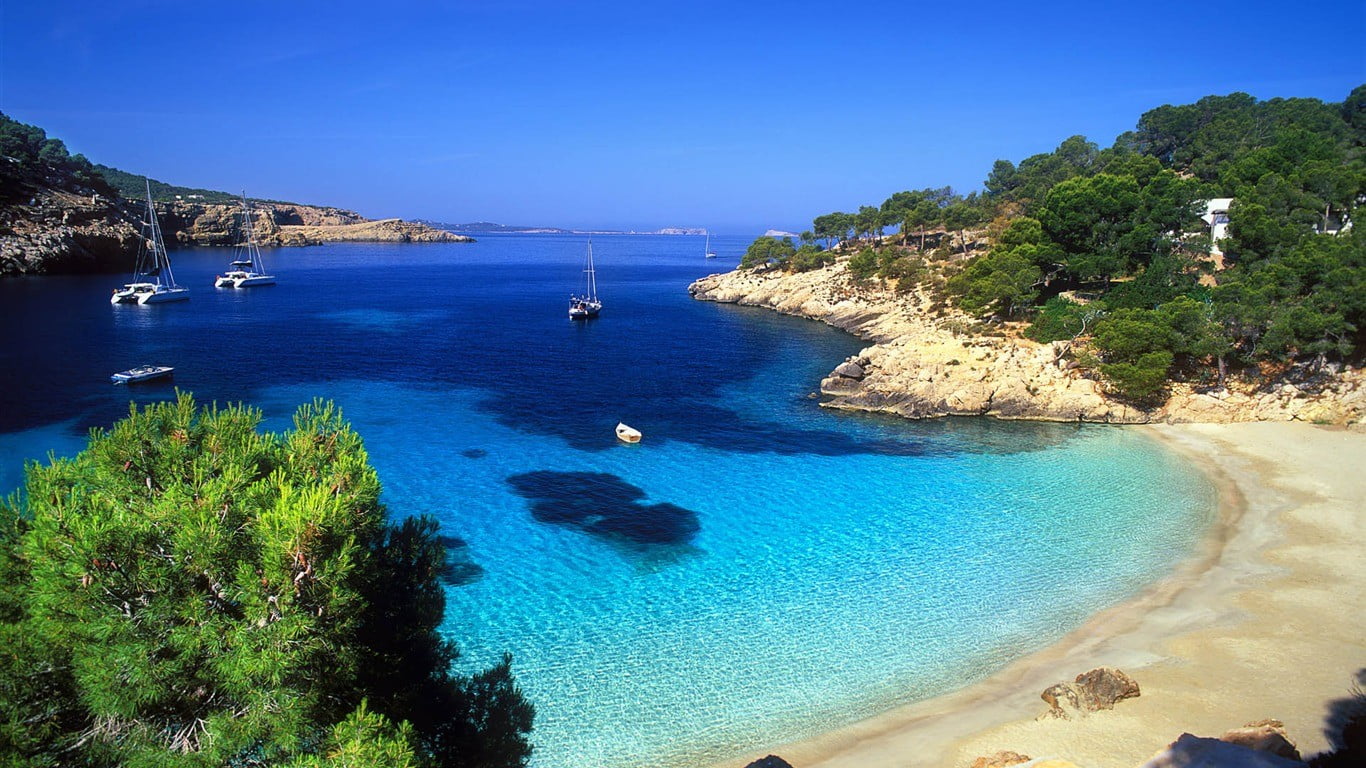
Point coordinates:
[[1266, 622]]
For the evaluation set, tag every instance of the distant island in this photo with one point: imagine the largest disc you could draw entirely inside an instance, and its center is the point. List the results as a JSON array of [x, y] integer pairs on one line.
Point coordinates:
[[60, 213], [488, 227]]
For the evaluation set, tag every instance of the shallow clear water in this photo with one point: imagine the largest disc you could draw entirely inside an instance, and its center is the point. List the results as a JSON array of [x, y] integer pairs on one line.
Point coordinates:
[[756, 570]]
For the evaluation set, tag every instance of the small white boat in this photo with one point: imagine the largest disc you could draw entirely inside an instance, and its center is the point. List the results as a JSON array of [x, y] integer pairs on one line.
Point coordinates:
[[142, 373], [709, 253], [627, 434], [247, 269], [151, 265], [587, 305]]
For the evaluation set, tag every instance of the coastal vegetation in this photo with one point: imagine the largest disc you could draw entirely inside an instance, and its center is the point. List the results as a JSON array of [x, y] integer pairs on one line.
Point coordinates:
[[190, 591], [130, 185], [1110, 250], [27, 150]]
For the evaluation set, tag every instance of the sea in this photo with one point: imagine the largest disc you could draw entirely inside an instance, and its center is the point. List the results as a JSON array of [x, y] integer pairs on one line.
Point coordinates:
[[755, 571]]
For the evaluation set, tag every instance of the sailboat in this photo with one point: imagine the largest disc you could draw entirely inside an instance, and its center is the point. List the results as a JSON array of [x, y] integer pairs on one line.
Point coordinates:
[[586, 305], [246, 269], [710, 254], [147, 286]]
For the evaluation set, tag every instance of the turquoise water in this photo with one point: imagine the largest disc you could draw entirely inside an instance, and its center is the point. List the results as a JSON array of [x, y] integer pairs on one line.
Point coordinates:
[[755, 571]]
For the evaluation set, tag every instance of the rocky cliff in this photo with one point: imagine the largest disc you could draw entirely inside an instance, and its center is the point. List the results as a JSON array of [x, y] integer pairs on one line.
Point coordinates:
[[50, 222], [289, 224], [924, 364]]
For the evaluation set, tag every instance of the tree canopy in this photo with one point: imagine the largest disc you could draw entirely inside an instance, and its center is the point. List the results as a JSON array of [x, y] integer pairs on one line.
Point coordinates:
[[190, 591]]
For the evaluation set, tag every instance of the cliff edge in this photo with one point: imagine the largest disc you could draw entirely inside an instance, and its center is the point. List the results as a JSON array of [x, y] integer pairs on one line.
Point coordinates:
[[923, 365]]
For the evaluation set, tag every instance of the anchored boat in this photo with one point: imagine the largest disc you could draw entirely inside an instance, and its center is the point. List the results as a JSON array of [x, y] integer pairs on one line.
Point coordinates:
[[587, 305], [246, 269], [147, 286], [142, 373], [627, 434]]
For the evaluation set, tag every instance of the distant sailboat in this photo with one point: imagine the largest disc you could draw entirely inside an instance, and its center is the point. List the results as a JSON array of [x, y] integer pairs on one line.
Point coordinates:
[[147, 286], [247, 269], [710, 254], [586, 305]]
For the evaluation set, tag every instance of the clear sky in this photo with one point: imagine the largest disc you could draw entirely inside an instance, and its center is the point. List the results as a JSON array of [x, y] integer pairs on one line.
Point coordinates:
[[735, 116]]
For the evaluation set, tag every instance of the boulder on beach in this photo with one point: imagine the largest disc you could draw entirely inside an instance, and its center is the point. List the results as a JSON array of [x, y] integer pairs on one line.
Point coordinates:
[[1266, 736], [1191, 751], [1002, 759], [1092, 691], [772, 761]]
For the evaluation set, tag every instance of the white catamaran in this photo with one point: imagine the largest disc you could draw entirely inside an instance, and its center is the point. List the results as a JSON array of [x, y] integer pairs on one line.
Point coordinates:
[[147, 286], [246, 268], [586, 305]]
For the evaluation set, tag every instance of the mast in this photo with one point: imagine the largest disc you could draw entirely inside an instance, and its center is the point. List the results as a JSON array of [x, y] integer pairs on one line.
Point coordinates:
[[253, 250], [592, 276], [160, 260]]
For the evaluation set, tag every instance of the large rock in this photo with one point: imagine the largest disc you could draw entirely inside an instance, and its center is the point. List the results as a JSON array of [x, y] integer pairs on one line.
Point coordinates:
[[1002, 759], [1092, 691], [1196, 752], [849, 370], [1265, 736], [772, 761]]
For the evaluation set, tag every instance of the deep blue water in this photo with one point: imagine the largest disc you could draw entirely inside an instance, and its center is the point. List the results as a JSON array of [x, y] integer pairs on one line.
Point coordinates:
[[756, 570]]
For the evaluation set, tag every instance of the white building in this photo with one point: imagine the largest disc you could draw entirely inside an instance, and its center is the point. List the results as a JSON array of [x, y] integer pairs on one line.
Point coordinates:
[[1216, 218]]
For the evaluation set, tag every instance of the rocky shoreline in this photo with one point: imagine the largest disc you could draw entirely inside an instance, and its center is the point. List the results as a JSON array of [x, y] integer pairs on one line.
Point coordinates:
[[290, 224], [925, 365], [51, 230]]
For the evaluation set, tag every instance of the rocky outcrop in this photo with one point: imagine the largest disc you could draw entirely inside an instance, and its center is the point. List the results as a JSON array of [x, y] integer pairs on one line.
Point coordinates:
[[1092, 691], [289, 224], [53, 225], [928, 361], [62, 219]]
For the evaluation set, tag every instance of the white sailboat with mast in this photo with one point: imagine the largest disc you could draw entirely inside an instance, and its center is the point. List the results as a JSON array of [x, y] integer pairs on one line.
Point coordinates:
[[152, 265], [587, 304], [706, 249], [246, 269]]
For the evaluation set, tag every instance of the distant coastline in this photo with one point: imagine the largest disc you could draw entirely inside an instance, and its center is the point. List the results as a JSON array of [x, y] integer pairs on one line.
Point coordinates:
[[488, 227]]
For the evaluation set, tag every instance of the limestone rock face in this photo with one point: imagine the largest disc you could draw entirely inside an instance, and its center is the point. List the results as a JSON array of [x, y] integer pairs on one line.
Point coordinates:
[[48, 229], [289, 224], [1002, 759], [1092, 691], [925, 364]]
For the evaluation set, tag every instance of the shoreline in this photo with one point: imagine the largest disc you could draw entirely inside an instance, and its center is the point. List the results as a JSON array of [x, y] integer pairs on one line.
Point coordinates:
[[1212, 645]]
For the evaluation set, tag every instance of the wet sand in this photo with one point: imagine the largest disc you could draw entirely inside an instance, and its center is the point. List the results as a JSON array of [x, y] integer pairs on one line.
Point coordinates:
[[1268, 620]]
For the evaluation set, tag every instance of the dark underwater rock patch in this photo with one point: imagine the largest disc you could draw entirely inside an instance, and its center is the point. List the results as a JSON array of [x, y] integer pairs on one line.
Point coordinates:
[[459, 568], [603, 505]]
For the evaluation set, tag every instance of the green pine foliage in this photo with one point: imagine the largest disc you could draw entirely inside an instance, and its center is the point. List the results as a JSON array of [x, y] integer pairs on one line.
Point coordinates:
[[190, 591], [1122, 226], [27, 151]]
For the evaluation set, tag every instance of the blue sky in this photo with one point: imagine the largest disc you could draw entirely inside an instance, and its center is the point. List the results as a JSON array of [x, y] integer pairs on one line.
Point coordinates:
[[734, 116]]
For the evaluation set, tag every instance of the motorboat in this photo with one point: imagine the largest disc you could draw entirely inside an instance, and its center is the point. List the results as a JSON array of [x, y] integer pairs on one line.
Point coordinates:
[[142, 373]]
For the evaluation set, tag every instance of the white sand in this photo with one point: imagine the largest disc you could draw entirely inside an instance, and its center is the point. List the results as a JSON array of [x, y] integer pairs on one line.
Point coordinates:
[[1269, 622]]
